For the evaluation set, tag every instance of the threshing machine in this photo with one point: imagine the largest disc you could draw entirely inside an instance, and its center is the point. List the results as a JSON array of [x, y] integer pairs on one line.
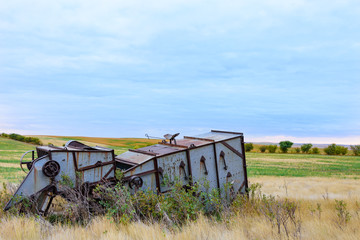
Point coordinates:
[[217, 157]]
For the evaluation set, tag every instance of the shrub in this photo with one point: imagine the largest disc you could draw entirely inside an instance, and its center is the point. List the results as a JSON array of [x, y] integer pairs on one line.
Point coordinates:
[[5, 135], [281, 213], [285, 145], [249, 147], [355, 149], [334, 149], [263, 148], [272, 148], [305, 148], [17, 137], [297, 150], [315, 150], [5, 196], [21, 138], [331, 149], [342, 213], [341, 150]]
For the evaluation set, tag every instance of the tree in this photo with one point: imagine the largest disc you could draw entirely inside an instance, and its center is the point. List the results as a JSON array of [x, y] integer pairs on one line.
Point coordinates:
[[285, 145], [263, 148], [334, 149], [272, 148], [331, 149], [341, 150], [315, 150], [355, 149], [305, 148], [249, 147]]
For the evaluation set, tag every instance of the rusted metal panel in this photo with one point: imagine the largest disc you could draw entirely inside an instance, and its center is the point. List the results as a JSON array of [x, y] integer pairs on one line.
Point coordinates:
[[147, 166], [146, 172], [134, 157], [175, 167], [200, 138], [93, 164], [230, 164], [96, 174], [203, 165], [88, 159], [218, 136], [216, 166], [192, 142], [162, 149], [246, 182]]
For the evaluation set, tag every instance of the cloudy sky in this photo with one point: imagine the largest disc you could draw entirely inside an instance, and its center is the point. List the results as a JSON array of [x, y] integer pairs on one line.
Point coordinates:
[[272, 69]]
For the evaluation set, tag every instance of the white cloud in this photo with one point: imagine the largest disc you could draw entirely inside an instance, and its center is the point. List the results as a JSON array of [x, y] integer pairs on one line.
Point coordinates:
[[244, 59]]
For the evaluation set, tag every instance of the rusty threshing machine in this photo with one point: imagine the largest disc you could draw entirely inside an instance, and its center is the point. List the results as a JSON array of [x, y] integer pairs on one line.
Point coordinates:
[[217, 157]]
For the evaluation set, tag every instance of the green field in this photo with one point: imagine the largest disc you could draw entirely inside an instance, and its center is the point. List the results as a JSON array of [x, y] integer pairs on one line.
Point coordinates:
[[303, 165], [259, 164], [10, 154]]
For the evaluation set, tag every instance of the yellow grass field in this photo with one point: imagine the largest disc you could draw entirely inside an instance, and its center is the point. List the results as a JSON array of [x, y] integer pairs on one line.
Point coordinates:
[[309, 188], [314, 224]]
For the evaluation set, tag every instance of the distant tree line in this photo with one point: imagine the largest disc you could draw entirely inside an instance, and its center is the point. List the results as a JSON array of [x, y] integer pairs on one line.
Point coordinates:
[[21, 138], [307, 148]]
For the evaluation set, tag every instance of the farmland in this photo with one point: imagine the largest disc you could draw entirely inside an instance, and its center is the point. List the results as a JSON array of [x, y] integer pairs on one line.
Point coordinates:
[[313, 181]]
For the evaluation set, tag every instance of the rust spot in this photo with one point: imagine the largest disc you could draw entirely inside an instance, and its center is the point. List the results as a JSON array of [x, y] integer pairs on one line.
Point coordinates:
[[67, 160], [77, 158], [35, 173]]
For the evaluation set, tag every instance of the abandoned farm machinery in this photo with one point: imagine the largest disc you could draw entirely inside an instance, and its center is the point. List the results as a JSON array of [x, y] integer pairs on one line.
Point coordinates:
[[217, 157]]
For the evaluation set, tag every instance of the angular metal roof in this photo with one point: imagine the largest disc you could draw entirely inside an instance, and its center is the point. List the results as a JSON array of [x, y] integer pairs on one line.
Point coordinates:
[[141, 155]]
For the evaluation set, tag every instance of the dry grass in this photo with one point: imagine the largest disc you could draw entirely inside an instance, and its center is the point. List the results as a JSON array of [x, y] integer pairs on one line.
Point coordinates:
[[315, 224], [314, 195], [309, 187]]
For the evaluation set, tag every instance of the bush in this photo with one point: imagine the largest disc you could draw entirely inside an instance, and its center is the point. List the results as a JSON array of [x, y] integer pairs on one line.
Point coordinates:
[[334, 149], [17, 137], [297, 150], [170, 211], [21, 138], [249, 147], [355, 149], [118, 203], [5, 135], [331, 149], [315, 150], [272, 148], [341, 150], [263, 148], [285, 145], [305, 148]]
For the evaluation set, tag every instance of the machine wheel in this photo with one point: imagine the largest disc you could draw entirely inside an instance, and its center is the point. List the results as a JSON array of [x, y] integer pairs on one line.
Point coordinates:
[[51, 169], [135, 182], [28, 163]]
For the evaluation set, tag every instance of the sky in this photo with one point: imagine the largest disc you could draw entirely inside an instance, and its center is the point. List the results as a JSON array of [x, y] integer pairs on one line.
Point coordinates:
[[274, 70]]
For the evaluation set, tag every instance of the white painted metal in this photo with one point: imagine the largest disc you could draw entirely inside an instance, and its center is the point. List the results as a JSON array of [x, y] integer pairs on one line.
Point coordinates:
[[214, 159]]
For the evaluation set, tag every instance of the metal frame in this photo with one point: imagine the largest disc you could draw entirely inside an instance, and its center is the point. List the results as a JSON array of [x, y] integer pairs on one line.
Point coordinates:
[[188, 160]]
